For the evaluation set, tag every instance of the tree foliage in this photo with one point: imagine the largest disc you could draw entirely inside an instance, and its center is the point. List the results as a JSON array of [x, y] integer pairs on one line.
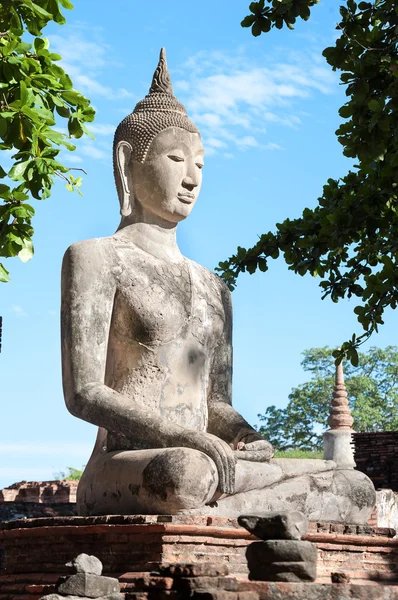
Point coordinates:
[[34, 92], [72, 474], [372, 392], [350, 240]]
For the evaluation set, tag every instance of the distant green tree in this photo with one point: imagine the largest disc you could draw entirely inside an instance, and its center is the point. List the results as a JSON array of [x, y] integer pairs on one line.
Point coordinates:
[[372, 393], [72, 473], [34, 91], [350, 239]]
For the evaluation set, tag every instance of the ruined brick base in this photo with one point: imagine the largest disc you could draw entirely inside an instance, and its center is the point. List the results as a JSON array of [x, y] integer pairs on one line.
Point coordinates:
[[33, 554]]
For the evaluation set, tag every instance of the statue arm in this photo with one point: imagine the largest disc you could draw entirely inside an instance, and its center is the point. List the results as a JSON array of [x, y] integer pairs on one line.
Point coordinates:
[[88, 290], [224, 420]]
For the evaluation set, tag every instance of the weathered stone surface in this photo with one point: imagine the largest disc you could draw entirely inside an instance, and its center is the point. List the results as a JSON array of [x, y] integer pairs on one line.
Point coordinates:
[[194, 570], [283, 571], [86, 584], [282, 560], [276, 525], [340, 577], [84, 563], [283, 550]]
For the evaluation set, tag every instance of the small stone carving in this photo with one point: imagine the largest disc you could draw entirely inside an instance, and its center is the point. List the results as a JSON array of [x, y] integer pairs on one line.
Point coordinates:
[[87, 583], [290, 525], [284, 558], [84, 563], [340, 577]]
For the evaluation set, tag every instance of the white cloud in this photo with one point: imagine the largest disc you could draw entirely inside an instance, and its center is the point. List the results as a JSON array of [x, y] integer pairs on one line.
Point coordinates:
[[73, 159], [233, 100], [272, 146], [18, 310], [84, 60], [102, 129], [94, 152]]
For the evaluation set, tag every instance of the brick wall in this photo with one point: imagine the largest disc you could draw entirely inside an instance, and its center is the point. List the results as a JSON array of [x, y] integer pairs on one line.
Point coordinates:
[[43, 492], [10, 511], [376, 455]]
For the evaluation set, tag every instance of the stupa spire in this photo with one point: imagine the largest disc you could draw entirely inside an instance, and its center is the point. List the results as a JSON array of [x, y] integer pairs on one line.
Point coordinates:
[[340, 412]]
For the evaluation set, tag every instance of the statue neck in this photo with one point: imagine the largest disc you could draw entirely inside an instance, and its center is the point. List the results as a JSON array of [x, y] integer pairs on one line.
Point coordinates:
[[151, 233]]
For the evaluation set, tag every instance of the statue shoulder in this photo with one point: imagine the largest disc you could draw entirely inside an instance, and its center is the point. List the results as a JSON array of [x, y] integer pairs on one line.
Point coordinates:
[[216, 281], [89, 255]]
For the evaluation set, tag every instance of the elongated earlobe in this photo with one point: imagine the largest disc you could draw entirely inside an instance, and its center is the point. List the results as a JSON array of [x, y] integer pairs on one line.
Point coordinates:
[[123, 155]]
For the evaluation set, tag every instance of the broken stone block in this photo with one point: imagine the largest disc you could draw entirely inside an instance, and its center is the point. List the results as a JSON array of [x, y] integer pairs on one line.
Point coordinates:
[[86, 584], [286, 525], [283, 571], [281, 550], [84, 563], [340, 577]]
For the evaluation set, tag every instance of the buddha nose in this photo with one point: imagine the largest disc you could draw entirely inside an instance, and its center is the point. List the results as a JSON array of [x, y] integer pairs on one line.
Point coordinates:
[[189, 183]]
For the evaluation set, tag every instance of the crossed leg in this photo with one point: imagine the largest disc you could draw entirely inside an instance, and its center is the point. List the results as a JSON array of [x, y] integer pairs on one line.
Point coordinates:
[[184, 481]]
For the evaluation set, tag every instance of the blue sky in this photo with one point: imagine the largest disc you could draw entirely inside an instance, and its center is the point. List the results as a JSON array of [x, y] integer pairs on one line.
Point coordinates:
[[267, 110]]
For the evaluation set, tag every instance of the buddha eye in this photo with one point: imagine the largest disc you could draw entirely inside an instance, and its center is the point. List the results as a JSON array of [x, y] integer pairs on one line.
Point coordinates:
[[176, 158], [200, 165]]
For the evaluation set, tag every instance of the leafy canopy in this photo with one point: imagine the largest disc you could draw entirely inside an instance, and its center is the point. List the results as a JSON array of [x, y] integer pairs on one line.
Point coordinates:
[[34, 92], [350, 240], [372, 393], [71, 474]]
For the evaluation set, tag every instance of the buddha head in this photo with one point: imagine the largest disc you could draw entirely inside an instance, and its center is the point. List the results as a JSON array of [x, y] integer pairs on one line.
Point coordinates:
[[158, 154]]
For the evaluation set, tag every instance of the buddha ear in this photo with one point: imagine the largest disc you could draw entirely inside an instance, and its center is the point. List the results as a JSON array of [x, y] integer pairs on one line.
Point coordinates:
[[123, 157]]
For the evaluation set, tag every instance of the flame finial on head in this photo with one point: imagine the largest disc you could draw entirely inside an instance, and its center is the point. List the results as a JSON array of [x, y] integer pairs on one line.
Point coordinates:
[[159, 110], [161, 82]]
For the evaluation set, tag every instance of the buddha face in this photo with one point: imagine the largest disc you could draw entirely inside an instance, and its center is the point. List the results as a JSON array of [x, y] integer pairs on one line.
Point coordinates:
[[167, 184]]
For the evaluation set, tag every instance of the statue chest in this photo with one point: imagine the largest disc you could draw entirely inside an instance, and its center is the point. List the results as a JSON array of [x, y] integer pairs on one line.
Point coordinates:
[[158, 303]]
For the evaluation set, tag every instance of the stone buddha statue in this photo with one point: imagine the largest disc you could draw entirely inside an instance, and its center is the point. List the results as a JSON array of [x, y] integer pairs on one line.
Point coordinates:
[[147, 354]]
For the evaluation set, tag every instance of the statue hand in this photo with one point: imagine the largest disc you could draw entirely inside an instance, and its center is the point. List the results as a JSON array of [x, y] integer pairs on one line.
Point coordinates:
[[220, 452], [258, 451]]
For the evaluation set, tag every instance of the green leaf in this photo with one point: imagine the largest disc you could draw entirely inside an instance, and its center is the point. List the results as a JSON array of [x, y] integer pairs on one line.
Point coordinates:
[[72, 97], [256, 28], [23, 93], [345, 111], [66, 4], [248, 21], [18, 170], [4, 274], [4, 190], [63, 111], [374, 105], [74, 127]]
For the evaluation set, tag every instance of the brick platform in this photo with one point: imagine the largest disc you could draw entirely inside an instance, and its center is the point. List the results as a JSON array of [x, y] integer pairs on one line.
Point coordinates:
[[33, 553]]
